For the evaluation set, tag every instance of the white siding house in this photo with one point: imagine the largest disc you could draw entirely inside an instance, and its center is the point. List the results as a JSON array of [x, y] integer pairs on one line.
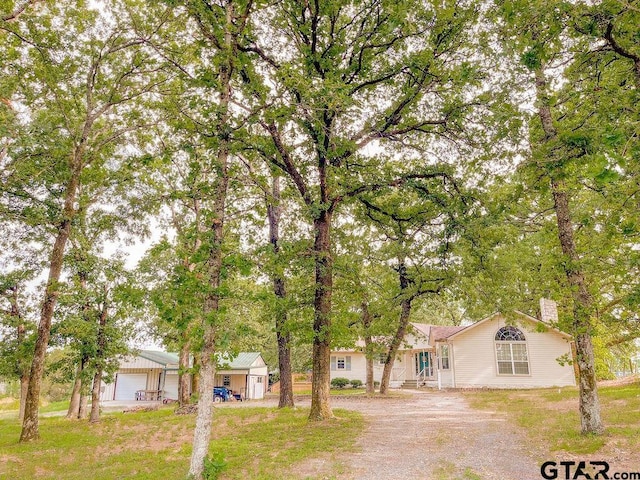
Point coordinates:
[[517, 354], [495, 353]]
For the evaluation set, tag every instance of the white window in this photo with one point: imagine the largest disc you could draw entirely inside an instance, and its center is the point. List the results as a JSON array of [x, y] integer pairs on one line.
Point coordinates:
[[511, 352], [226, 380], [341, 363], [382, 359], [444, 357]]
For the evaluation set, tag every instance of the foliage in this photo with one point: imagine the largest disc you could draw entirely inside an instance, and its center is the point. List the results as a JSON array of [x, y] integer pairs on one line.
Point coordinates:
[[214, 465], [355, 383], [339, 382]]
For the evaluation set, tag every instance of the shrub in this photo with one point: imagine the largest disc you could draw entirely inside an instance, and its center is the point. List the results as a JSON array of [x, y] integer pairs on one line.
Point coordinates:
[[356, 383], [213, 466], [339, 382]]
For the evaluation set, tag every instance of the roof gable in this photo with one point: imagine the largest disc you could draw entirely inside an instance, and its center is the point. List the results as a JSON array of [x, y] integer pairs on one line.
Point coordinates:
[[522, 316]]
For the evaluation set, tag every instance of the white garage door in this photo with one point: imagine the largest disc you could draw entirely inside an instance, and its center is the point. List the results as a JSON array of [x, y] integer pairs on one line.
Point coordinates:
[[171, 386], [128, 383]]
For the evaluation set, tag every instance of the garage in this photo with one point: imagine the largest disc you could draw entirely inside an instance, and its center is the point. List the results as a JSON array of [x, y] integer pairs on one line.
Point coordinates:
[[128, 383], [171, 386]]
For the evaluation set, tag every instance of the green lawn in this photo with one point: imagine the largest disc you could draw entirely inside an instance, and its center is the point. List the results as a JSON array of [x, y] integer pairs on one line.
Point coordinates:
[[551, 418], [256, 443]]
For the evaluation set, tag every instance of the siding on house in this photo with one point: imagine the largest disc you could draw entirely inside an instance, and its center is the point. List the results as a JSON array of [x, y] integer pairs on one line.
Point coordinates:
[[355, 366], [475, 364], [358, 367]]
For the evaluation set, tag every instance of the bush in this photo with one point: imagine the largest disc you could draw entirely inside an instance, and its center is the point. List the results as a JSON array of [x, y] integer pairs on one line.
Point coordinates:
[[356, 383], [339, 382], [213, 466]]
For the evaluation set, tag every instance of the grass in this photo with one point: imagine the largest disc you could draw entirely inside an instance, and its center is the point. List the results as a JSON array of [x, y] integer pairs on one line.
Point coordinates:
[[12, 404], [257, 443], [449, 471], [551, 418]]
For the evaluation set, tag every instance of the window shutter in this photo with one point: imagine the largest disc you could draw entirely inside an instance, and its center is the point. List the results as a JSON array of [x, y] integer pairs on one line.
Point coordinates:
[[348, 363], [333, 364]]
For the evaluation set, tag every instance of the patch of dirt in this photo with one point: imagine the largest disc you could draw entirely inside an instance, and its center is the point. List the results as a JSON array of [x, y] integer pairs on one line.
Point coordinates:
[[431, 435], [631, 379]]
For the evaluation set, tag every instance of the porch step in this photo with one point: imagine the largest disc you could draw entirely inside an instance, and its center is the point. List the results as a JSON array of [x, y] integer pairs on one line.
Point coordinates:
[[413, 384]]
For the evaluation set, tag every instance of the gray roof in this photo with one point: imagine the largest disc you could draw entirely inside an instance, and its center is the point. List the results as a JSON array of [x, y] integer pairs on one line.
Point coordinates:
[[242, 361], [163, 358]]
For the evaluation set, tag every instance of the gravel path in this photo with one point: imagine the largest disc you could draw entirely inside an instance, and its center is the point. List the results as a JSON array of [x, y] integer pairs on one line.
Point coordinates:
[[436, 435]]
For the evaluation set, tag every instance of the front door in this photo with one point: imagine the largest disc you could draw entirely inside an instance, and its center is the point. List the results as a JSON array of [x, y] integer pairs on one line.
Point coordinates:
[[423, 364]]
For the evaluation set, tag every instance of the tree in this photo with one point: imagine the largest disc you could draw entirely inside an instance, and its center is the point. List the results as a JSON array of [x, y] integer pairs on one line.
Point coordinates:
[[223, 26], [347, 75], [79, 81], [17, 336], [419, 225], [573, 160]]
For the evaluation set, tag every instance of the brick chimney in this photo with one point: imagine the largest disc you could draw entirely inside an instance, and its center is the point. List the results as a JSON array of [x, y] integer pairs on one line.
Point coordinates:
[[548, 311]]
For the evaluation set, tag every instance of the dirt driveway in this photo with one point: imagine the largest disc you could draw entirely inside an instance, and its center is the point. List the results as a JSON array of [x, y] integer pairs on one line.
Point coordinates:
[[432, 435]]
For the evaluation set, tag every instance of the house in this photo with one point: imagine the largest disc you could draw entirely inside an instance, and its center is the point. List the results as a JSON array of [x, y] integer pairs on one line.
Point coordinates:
[[153, 375], [523, 352]]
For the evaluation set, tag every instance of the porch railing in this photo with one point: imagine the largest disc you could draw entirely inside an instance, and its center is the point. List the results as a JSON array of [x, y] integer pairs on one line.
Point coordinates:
[[425, 374]]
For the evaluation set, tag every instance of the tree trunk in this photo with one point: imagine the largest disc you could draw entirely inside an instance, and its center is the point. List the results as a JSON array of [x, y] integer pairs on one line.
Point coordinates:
[[84, 406], [195, 377], [184, 390], [24, 387], [204, 417], [582, 302], [74, 403], [321, 381], [99, 360], [590, 419], [274, 211], [405, 313], [23, 369], [95, 396], [30, 426], [368, 348]]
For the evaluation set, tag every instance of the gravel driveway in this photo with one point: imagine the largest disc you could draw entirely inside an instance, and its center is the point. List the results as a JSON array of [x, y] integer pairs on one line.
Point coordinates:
[[429, 435], [434, 435]]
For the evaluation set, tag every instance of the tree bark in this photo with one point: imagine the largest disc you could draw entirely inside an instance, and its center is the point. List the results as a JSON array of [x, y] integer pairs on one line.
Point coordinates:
[[30, 426], [321, 381], [274, 212], [368, 348], [184, 390], [99, 361], [94, 417], [84, 405], [582, 302], [24, 387], [22, 366], [401, 331], [74, 403], [204, 419], [590, 418], [195, 377]]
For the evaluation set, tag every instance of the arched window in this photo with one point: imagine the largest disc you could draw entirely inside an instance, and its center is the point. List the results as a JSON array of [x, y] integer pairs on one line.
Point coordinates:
[[511, 351], [510, 333]]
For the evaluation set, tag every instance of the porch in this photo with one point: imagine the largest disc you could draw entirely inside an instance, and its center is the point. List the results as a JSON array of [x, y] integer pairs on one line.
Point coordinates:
[[411, 369]]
